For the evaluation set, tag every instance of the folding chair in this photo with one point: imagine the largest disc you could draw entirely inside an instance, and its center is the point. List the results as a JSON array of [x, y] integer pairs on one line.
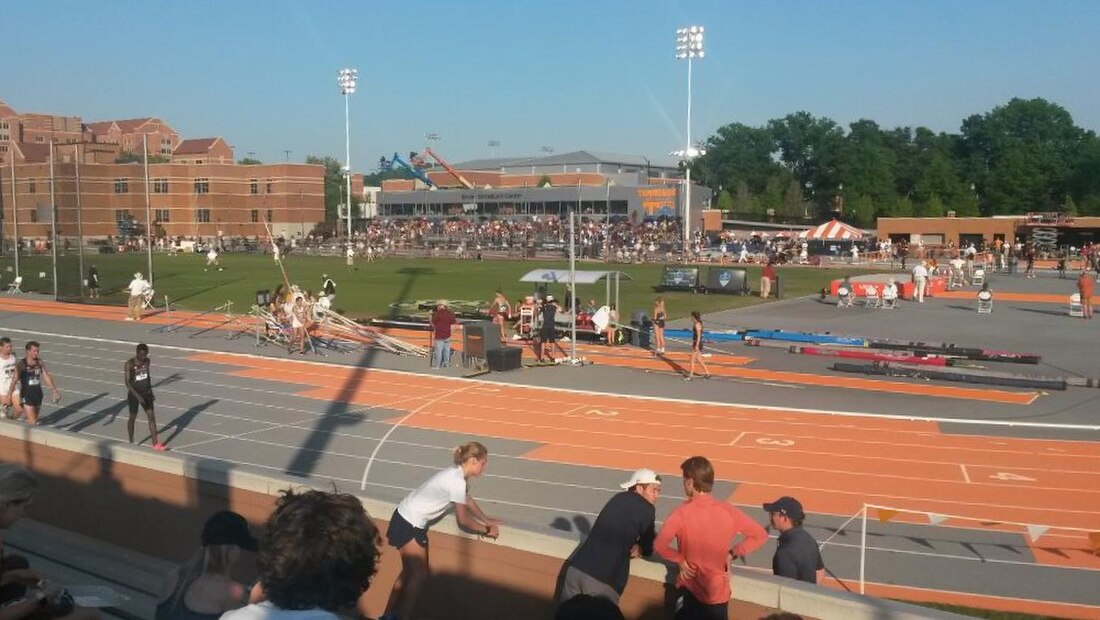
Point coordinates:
[[871, 297], [985, 302], [14, 287], [889, 299], [844, 298], [1076, 308], [978, 278]]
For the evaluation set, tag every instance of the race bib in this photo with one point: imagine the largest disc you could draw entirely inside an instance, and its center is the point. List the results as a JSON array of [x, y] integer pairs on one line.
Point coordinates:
[[141, 375], [33, 380]]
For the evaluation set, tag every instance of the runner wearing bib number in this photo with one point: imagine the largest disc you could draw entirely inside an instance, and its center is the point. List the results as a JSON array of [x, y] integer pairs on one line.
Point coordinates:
[[11, 406], [30, 375], [139, 391]]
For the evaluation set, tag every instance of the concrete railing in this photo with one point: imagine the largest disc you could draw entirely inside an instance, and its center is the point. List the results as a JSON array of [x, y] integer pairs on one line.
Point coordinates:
[[748, 586]]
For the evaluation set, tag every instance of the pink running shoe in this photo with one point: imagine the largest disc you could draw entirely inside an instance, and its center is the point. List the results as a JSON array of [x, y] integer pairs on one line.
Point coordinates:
[[159, 447]]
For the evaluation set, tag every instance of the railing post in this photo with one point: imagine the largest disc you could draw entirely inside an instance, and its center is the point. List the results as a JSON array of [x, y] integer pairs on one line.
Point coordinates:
[[863, 552]]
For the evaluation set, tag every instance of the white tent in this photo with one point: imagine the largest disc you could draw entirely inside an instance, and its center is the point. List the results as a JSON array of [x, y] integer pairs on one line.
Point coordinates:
[[562, 276], [832, 231]]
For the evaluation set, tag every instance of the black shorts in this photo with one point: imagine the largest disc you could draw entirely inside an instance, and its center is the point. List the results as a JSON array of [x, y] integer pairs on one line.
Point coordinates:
[[31, 397], [400, 532], [548, 335], [132, 402], [691, 609], [659, 323]]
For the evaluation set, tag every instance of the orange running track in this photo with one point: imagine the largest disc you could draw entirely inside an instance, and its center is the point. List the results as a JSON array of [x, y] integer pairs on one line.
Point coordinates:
[[833, 463]]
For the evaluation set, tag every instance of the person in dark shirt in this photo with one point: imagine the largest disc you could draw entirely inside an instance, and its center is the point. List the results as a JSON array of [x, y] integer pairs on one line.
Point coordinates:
[[548, 331], [796, 555], [93, 282], [139, 392], [623, 530]]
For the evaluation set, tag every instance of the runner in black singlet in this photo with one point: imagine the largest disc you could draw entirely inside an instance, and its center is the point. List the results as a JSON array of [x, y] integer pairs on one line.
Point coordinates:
[[139, 391], [31, 373]]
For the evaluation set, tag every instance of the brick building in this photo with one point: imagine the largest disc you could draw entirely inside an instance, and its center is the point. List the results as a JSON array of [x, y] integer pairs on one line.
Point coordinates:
[[202, 192]]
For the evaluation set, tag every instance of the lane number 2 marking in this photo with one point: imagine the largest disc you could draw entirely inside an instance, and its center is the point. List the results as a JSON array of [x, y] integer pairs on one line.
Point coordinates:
[[772, 441], [1004, 475]]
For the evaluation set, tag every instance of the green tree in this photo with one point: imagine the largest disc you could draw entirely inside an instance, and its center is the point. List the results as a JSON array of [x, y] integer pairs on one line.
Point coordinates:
[[794, 206], [772, 201], [725, 201], [249, 161], [933, 207], [903, 207], [744, 204], [809, 149], [738, 153], [1069, 207], [863, 210], [867, 162], [1022, 154], [334, 184], [136, 158]]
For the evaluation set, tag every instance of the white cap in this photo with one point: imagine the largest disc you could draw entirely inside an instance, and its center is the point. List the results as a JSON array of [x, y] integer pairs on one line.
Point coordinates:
[[642, 476], [549, 298], [138, 275]]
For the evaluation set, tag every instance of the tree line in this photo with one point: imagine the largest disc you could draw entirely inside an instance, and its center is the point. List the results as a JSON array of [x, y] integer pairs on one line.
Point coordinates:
[[1026, 155]]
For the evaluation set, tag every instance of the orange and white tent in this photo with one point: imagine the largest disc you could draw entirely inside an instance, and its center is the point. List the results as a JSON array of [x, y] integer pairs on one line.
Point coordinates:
[[832, 231]]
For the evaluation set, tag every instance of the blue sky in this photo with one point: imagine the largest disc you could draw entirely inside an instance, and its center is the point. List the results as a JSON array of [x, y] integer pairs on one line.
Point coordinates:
[[567, 74]]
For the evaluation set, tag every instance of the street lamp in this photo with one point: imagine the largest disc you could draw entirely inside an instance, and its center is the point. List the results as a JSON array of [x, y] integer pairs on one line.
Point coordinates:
[[689, 45], [493, 144], [347, 79]]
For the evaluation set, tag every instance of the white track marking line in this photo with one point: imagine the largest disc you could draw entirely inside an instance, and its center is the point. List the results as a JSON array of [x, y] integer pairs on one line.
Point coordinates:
[[966, 474], [738, 438], [855, 414], [374, 453]]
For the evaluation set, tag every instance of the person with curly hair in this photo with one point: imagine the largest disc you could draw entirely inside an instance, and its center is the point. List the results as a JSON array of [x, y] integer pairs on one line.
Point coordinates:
[[317, 557]]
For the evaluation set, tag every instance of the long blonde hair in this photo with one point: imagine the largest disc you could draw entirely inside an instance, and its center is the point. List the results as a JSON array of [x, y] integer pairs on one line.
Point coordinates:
[[206, 560], [470, 450]]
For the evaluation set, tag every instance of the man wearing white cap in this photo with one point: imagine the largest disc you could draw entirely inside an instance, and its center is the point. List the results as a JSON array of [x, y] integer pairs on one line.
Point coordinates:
[[138, 287], [623, 530]]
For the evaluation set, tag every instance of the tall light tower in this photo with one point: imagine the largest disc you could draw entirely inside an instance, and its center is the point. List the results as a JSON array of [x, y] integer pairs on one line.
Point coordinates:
[[347, 79], [689, 45]]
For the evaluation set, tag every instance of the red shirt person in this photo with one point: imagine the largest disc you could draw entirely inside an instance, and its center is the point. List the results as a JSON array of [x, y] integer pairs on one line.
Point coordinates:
[[703, 528], [442, 321]]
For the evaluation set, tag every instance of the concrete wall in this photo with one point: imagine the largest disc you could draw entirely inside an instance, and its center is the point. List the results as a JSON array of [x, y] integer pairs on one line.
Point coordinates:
[[156, 504]]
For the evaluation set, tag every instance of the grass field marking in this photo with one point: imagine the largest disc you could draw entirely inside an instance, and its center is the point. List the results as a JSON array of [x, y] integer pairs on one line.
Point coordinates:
[[811, 411]]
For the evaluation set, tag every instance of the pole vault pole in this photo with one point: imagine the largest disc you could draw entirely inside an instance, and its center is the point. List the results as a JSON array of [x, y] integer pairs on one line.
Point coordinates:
[[271, 238]]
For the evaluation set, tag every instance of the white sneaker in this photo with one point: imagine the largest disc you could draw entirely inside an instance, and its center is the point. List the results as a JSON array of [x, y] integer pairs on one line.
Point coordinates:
[[129, 318]]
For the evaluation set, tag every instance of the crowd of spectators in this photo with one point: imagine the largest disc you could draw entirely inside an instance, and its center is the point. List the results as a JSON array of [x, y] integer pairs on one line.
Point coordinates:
[[319, 552]]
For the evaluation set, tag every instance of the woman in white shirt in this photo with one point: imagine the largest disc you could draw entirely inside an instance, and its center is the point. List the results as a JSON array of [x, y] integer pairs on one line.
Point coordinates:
[[408, 529]]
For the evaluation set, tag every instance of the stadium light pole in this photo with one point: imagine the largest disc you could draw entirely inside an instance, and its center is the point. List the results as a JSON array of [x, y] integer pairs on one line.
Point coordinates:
[[347, 79], [493, 144], [689, 46]]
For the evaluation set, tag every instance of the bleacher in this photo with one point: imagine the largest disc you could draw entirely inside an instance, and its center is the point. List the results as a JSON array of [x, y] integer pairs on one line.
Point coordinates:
[[85, 564]]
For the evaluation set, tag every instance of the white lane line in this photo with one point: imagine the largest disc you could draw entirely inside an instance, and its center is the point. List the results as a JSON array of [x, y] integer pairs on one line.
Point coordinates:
[[374, 453], [661, 424], [966, 474], [738, 438], [663, 399]]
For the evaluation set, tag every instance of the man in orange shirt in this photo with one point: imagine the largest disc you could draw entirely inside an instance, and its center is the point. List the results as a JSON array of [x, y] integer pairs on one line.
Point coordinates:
[[1084, 287], [703, 528]]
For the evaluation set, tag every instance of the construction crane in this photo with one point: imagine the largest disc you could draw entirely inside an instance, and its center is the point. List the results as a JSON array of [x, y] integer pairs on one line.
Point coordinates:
[[448, 168], [397, 161]]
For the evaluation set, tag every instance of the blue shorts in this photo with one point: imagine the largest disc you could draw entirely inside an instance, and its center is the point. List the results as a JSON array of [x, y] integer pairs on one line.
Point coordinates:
[[400, 532]]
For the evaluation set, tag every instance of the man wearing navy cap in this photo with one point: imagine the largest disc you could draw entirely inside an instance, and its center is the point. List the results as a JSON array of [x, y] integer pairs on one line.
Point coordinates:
[[796, 555]]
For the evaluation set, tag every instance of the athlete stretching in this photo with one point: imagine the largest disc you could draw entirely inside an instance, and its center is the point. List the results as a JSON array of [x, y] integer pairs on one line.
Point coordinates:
[[139, 391]]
